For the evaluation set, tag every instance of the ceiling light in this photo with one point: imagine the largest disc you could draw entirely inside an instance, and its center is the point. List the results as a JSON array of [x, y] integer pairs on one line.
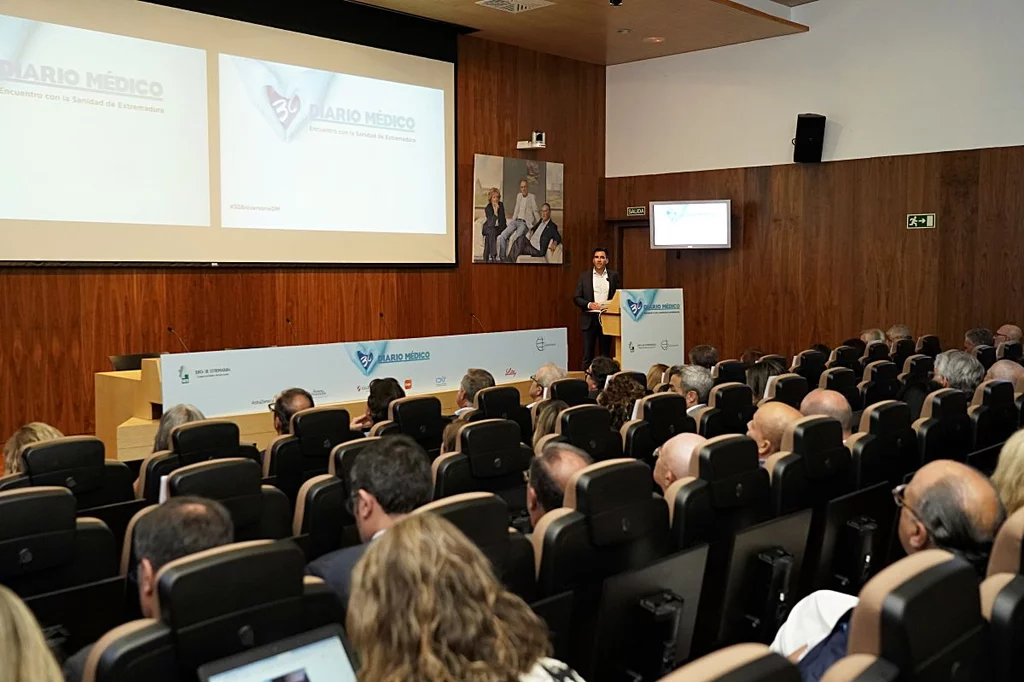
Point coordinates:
[[654, 39]]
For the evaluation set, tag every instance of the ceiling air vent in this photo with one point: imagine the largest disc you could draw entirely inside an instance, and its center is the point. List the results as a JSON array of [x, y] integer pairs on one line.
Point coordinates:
[[514, 6]]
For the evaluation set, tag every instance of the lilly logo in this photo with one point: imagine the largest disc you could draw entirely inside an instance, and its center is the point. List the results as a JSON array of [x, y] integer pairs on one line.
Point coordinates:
[[365, 359], [510, 372]]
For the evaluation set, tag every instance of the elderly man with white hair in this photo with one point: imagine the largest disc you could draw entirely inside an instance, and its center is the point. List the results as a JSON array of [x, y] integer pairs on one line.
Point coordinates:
[[548, 374], [960, 370]]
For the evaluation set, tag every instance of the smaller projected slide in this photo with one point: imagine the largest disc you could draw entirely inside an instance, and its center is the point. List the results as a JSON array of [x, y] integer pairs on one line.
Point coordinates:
[[101, 127], [695, 224], [304, 149]]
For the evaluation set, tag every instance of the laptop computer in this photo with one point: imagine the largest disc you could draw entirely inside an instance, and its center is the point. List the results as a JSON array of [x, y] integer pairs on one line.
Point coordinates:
[[320, 655]]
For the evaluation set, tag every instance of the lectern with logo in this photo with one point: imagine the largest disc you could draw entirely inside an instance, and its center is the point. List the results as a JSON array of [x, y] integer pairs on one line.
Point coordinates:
[[646, 326]]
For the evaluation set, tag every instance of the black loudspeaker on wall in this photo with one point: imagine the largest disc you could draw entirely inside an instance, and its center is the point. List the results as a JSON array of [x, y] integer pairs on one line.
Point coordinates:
[[810, 138]]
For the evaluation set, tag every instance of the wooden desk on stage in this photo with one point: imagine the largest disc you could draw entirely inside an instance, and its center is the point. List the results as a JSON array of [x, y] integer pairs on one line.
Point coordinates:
[[611, 323], [128, 409]]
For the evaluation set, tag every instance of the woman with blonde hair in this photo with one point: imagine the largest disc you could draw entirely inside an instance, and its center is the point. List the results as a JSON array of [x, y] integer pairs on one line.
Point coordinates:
[[654, 375], [36, 432], [1009, 476], [494, 224], [24, 656], [547, 418], [622, 392], [426, 606]]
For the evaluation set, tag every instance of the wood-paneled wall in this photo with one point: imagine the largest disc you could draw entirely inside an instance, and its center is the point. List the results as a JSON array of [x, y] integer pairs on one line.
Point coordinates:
[[59, 324], [822, 251]]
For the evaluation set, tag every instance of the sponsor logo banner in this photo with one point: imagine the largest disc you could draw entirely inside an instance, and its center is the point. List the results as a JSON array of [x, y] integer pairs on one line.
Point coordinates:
[[652, 327]]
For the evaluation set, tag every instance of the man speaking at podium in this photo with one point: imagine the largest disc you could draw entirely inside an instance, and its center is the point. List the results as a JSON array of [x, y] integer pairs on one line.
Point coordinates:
[[593, 291]]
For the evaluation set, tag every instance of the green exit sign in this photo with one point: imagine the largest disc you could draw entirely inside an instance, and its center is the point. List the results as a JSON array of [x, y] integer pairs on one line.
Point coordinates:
[[920, 221], [636, 210]]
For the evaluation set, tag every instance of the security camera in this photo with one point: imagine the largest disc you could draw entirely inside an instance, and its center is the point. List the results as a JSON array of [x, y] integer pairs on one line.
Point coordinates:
[[537, 141], [614, 3]]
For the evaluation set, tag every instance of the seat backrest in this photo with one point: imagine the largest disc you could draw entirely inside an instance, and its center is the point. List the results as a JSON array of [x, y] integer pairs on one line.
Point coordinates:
[[502, 402], [666, 413], [609, 523], [729, 372], [344, 457], [419, 417], [78, 463], [929, 345], [901, 350], [490, 457], [322, 518], [45, 548], [1008, 547], [729, 409], [483, 518], [923, 615], [985, 354], [571, 391], [737, 663], [774, 357], [390, 428], [873, 352], [727, 491], [638, 377], [258, 511], [843, 356], [993, 413], [1002, 605], [1009, 350], [885, 447], [319, 430], [842, 380], [215, 604], [638, 441], [881, 382], [790, 389], [204, 440], [944, 430], [917, 368], [809, 364], [589, 427], [813, 466]]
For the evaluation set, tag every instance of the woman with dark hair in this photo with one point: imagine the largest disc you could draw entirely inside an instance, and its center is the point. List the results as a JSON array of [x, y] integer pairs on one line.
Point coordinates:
[[383, 392], [622, 392], [758, 375]]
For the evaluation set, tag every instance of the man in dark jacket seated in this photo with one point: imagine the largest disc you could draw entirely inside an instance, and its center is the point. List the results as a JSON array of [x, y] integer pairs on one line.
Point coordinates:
[[544, 237]]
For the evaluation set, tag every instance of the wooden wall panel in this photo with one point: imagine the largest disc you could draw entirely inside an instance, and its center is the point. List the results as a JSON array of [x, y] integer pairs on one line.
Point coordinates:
[[60, 324], [822, 251]]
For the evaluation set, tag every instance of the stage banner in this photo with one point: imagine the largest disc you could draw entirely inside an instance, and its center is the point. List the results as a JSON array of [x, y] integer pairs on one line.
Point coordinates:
[[652, 328], [243, 381]]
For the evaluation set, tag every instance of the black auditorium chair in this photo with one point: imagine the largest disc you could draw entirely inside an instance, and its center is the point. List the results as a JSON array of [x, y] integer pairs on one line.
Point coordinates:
[[489, 457], [843, 380], [993, 413], [292, 459], [929, 345], [729, 372], [483, 518], [885, 447], [258, 511], [775, 357], [502, 402], [729, 410], [1009, 350], [609, 523], [390, 428], [1002, 605], [790, 389], [726, 491], [638, 441], [843, 356], [873, 352], [419, 417], [666, 413], [738, 663], [190, 443], [572, 392], [917, 369], [985, 354], [812, 467], [1007, 554], [881, 382], [216, 604], [638, 377], [901, 350], [588, 427], [944, 430], [809, 364]]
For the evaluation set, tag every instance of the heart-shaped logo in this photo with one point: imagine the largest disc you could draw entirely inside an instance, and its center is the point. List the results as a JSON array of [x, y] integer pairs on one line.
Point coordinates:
[[635, 306], [286, 109], [284, 95], [365, 359]]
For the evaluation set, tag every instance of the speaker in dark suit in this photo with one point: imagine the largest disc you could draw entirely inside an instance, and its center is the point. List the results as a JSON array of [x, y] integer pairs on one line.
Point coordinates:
[[590, 322]]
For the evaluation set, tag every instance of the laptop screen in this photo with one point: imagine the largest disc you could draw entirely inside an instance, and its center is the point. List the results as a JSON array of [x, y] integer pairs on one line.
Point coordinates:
[[323, 660]]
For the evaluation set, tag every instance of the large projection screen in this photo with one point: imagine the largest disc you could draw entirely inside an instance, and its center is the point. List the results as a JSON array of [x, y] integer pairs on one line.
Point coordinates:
[[138, 133]]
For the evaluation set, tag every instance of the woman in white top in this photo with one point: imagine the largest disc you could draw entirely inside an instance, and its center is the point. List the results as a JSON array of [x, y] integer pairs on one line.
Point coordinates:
[[426, 606]]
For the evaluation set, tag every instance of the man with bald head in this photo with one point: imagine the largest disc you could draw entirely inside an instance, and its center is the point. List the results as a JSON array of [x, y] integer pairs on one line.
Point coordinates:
[[822, 401], [769, 425], [674, 458], [947, 505], [549, 475], [1007, 370], [1008, 332]]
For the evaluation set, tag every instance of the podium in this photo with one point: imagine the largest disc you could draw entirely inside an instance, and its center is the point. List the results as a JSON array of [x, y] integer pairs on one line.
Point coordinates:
[[611, 323], [646, 326]]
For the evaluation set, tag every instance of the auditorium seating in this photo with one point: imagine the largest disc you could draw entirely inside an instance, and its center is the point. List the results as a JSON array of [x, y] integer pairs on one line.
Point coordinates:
[[737, 663], [917, 369], [729, 372], [1002, 600], [292, 459], [881, 382], [1008, 549], [502, 402], [390, 428], [489, 457], [638, 377], [419, 417], [809, 364], [812, 468], [790, 389], [901, 350], [215, 604], [729, 410], [944, 430], [666, 413], [638, 441], [588, 427], [993, 413], [843, 356], [1009, 350], [885, 448], [929, 345], [843, 380], [873, 352], [773, 357], [572, 392], [985, 354]]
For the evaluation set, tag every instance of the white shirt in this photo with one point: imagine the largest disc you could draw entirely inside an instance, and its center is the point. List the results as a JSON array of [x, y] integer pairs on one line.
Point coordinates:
[[691, 410], [463, 410], [526, 209], [811, 620], [535, 239], [601, 287], [545, 669]]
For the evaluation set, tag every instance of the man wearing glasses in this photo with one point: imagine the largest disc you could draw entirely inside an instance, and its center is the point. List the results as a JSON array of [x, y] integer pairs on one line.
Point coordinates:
[[947, 505]]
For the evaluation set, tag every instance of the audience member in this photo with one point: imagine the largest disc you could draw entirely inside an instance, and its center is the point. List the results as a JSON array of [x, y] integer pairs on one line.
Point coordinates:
[[286, 405], [383, 392], [176, 416], [947, 505], [695, 384], [672, 377], [960, 370], [427, 606], [546, 422], [1006, 333], [758, 375], [655, 375], [979, 336], [389, 479], [857, 344], [1007, 370], [750, 357], [869, 335], [622, 392], [768, 427], [1009, 475], [822, 401], [472, 383], [898, 332], [548, 374], [23, 649], [36, 432], [450, 435], [177, 528], [704, 356], [549, 474], [822, 348], [597, 374], [674, 457]]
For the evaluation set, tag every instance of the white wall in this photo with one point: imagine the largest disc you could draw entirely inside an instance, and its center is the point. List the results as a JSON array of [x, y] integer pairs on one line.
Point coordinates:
[[893, 76]]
